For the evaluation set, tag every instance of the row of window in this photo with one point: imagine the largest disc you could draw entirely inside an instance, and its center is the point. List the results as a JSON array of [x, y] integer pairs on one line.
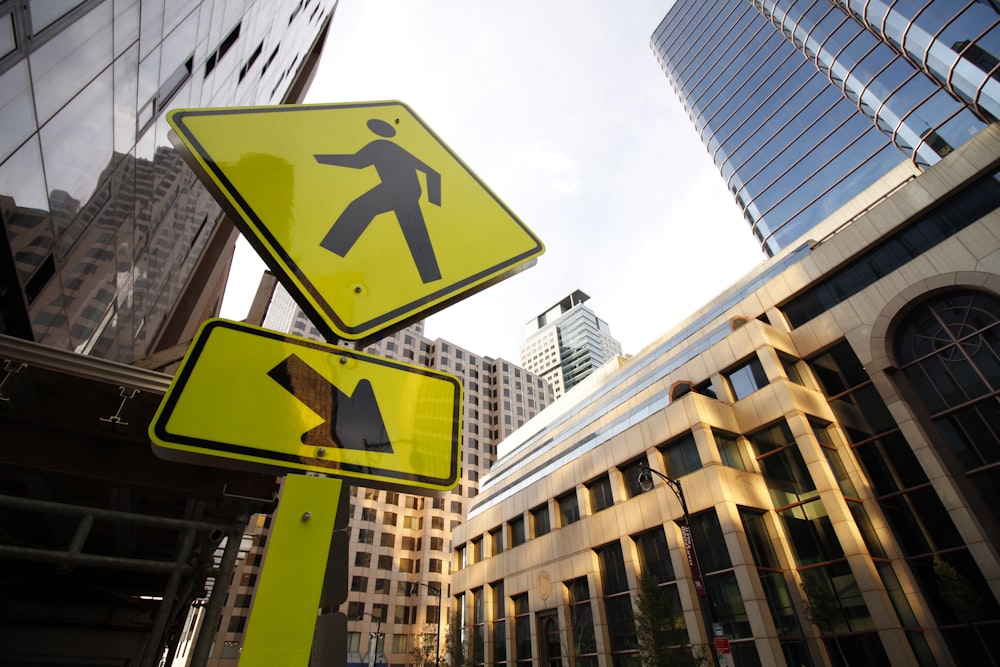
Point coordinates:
[[389, 563]]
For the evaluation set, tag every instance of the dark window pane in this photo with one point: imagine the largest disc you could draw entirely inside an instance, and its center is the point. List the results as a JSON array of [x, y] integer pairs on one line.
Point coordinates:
[[569, 509], [654, 556], [746, 379], [600, 494]]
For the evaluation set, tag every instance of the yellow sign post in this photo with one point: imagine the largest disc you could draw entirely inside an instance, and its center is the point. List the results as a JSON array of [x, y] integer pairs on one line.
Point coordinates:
[[283, 617], [365, 215], [246, 395]]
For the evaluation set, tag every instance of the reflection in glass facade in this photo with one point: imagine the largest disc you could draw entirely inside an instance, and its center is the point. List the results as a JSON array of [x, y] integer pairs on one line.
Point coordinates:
[[802, 105], [103, 224]]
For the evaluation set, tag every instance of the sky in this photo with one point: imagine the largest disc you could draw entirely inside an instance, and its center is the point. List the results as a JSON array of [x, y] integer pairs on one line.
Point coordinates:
[[561, 108]]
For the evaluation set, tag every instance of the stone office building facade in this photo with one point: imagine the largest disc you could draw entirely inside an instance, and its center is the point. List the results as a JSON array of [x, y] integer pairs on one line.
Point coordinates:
[[832, 419]]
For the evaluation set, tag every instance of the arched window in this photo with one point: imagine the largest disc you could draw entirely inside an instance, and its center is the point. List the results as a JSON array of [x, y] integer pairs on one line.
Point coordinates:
[[949, 349]]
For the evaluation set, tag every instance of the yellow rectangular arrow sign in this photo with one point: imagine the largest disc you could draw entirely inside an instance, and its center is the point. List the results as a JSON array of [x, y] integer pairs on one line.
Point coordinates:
[[248, 395]]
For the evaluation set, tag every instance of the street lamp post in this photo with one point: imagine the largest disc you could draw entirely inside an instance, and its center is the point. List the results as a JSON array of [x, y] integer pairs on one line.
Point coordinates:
[[374, 637], [432, 590], [646, 483]]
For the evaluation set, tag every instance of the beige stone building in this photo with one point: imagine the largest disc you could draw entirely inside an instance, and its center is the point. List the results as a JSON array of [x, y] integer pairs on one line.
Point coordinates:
[[832, 420]]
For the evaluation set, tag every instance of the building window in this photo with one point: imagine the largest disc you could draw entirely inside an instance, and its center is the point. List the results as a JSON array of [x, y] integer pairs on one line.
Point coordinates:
[[359, 584], [630, 474], [385, 562], [654, 559], [581, 618], [919, 521], [654, 556], [781, 463], [599, 491], [355, 610], [522, 630], [718, 576], [387, 540], [362, 559], [477, 549], [383, 586], [498, 619], [791, 368], [746, 378], [948, 347], [681, 456], [405, 615], [517, 536], [496, 541], [540, 520], [730, 450], [772, 578], [706, 388], [366, 536], [940, 223], [617, 604], [569, 508], [478, 627], [368, 514]]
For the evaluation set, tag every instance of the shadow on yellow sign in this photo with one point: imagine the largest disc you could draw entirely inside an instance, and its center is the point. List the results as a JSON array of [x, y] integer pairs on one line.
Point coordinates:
[[250, 395], [368, 218]]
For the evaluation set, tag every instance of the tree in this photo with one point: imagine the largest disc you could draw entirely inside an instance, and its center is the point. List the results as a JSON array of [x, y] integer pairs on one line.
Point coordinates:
[[455, 647], [423, 650], [959, 596], [660, 629], [821, 605]]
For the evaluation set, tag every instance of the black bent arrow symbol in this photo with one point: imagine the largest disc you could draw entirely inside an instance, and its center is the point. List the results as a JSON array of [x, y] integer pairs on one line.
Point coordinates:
[[398, 191], [352, 422]]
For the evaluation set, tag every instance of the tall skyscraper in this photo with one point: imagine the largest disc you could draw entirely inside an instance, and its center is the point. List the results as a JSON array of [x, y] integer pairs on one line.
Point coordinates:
[[400, 544], [802, 105], [112, 251], [567, 343]]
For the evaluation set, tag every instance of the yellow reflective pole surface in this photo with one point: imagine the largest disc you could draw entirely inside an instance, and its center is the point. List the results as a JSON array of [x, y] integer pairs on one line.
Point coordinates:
[[283, 616]]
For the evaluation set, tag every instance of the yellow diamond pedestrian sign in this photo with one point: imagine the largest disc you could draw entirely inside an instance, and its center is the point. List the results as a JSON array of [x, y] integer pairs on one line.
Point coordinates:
[[364, 213], [250, 395]]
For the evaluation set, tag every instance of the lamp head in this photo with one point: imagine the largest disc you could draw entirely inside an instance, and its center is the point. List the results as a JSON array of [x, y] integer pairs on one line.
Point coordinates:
[[645, 479]]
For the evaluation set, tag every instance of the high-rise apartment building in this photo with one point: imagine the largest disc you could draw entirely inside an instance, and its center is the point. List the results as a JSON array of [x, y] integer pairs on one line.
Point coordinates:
[[803, 104], [400, 544], [825, 431], [567, 343], [111, 251]]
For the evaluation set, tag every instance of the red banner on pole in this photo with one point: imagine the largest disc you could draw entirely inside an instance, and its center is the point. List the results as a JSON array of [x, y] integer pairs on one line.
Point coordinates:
[[692, 560]]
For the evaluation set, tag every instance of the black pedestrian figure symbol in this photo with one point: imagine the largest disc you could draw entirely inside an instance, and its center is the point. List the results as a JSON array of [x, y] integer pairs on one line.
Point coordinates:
[[398, 191]]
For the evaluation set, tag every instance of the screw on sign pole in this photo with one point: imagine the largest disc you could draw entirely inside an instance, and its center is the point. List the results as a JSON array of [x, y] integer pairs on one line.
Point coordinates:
[[283, 616]]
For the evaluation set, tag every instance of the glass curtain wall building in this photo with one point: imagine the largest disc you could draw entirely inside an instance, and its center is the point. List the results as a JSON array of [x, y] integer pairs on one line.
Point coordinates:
[[567, 343], [112, 251], [103, 225], [802, 105]]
